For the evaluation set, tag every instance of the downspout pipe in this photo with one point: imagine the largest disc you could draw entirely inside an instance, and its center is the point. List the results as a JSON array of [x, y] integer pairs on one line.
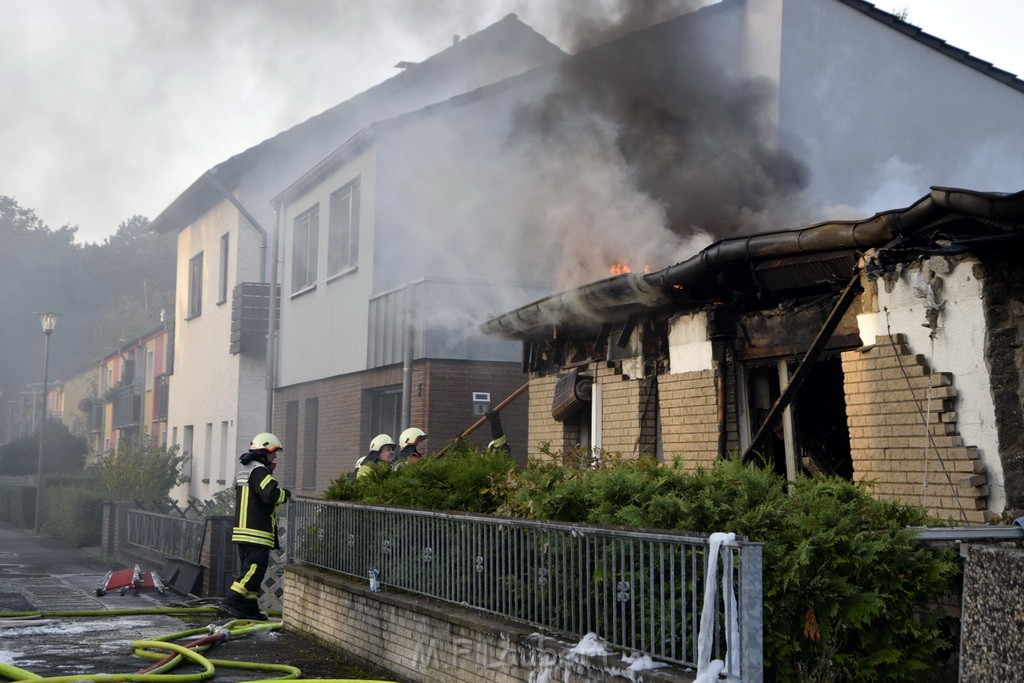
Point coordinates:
[[408, 332], [272, 317], [209, 175]]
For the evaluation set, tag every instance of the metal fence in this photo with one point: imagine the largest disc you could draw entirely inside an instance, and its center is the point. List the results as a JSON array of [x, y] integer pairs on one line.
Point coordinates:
[[169, 535], [640, 591]]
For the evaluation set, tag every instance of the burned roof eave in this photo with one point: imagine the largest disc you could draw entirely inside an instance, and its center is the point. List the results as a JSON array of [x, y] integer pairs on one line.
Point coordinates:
[[610, 300]]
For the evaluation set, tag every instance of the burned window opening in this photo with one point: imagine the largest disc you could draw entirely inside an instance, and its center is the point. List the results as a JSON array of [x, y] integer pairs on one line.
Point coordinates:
[[820, 439]]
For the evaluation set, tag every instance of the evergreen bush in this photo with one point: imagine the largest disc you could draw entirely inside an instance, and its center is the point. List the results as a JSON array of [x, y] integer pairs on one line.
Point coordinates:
[[73, 515], [848, 591]]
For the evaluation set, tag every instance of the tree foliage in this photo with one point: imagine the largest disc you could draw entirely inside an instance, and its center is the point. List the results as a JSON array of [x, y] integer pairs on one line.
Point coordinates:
[[141, 471], [104, 292], [62, 452], [849, 594]]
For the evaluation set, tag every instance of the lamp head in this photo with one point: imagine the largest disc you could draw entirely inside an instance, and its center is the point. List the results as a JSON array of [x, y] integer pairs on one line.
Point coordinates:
[[48, 321]]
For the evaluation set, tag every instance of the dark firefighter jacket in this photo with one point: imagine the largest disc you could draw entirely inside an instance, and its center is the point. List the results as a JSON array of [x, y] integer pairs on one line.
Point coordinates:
[[257, 494]]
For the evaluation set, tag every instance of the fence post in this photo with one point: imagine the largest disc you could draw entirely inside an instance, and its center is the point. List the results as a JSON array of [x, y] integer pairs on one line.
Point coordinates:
[[752, 628]]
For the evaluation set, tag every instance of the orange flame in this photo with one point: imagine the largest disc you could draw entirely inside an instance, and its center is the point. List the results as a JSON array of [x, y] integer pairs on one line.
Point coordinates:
[[620, 267]]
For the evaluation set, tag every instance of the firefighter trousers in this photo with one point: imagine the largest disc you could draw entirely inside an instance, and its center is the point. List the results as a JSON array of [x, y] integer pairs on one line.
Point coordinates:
[[253, 561]]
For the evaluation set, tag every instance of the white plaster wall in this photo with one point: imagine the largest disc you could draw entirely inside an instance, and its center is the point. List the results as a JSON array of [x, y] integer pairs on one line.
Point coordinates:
[[958, 348], [205, 385], [324, 330], [689, 349], [879, 117]]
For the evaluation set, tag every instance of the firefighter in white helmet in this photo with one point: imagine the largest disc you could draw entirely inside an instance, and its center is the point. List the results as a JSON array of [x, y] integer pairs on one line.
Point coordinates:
[[257, 495], [413, 442], [382, 449]]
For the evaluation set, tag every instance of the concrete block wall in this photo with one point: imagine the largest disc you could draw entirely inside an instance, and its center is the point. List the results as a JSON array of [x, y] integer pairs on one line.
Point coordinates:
[[903, 433], [689, 417], [420, 639]]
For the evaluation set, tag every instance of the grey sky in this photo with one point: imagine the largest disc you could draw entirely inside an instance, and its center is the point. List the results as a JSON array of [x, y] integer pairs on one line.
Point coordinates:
[[113, 107]]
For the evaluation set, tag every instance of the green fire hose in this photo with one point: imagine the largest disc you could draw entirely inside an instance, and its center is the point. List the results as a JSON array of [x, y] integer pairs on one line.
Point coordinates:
[[167, 654]]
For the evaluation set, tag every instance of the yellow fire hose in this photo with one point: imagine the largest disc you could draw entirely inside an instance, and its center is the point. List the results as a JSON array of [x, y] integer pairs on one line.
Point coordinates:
[[159, 647]]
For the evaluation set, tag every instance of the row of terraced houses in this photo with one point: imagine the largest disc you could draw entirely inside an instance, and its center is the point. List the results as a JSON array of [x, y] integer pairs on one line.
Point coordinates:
[[373, 267]]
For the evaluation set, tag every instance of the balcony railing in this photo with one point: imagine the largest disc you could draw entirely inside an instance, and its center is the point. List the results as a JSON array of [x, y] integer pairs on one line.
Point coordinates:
[[163, 383], [250, 315], [127, 407]]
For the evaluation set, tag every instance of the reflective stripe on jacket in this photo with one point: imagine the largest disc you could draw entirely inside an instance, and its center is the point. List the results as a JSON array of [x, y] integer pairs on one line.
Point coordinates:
[[257, 494]]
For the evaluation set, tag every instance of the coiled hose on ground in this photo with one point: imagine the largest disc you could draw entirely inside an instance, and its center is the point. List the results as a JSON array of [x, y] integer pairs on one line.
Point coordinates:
[[167, 654]]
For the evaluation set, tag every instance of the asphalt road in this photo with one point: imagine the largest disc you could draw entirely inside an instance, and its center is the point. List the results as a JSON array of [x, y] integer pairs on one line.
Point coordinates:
[[40, 575]]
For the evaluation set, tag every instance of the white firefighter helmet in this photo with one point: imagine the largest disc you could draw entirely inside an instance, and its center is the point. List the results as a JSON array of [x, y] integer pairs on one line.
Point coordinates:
[[265, 441], [380, 441], [410, 436]]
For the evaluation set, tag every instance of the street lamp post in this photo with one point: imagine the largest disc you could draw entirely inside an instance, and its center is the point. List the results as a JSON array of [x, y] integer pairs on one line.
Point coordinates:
[[48, 321]]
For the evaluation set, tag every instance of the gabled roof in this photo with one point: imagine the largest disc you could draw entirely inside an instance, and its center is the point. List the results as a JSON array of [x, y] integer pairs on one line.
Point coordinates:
[[508, 35], [761, 269], [936, 43]]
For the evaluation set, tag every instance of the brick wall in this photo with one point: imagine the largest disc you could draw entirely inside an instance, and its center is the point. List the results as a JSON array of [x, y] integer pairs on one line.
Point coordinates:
[[544, 429], [903, 433], [441, 406], [689, 417], [426, 640], [628, 413], [447, 410]]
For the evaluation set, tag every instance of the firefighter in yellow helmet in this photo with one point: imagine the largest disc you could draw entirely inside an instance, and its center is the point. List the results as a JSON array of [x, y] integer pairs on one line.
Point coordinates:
[[257, 495]]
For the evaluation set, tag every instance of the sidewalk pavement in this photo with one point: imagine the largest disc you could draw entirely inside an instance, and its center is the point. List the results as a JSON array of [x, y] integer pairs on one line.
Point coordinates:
[[39, 574]]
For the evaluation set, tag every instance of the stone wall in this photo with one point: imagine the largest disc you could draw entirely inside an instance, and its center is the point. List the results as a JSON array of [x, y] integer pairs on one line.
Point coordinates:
[[991, 647], [427, 640], [903, 433]]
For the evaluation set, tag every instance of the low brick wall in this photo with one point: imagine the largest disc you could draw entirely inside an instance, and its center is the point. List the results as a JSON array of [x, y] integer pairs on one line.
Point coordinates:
[[420, 639]]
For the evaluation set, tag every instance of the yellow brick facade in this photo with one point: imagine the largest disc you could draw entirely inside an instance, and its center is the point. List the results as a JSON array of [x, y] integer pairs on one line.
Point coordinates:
[[689, 417], [628, 416], [544, 430], [903, 433]]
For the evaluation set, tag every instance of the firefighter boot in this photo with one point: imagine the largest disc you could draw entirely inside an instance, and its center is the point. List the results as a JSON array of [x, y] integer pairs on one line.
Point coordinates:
[[252, 610], [235, 605]]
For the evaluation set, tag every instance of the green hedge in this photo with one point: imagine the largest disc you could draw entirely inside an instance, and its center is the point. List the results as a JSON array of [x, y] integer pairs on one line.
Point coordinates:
[[18, 505], [73, 515], [848, 592]]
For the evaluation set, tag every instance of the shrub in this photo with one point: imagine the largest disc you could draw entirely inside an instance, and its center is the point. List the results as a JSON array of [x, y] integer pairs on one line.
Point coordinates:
[[73, 515], [141, 472], [846, 587]]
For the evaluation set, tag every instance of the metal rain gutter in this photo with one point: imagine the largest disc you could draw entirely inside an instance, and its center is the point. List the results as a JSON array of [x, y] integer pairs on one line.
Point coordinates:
[[596, 302]]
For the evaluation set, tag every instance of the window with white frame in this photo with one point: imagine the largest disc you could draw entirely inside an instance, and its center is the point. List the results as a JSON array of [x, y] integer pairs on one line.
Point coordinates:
[[304, 248], [343, 236], [195, 285]]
